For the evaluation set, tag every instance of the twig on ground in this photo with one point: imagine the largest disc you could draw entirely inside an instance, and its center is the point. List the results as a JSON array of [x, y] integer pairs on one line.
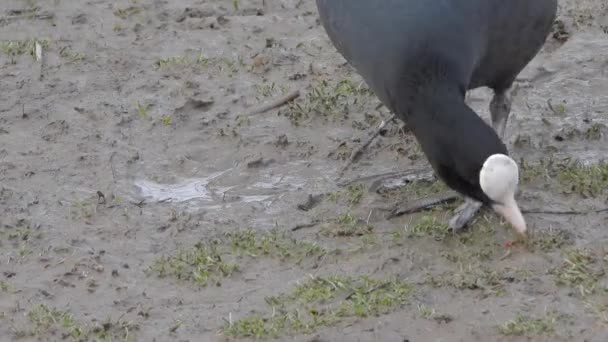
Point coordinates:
[[139, 204], [311, 202], [564, 212], [412, 175], [423, 203], [433, 200], [112, 167], [374, 289], [373, 177], [357, 152], [550, 105], [402, 179], [276, 103], [15, 17], [305, 225]]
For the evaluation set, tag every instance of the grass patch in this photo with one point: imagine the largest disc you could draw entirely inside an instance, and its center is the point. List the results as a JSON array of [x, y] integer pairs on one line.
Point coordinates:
[[477, 243], [588, 181], [22, 233], [323, 301], [269, 90], [347, 225], [45, 320], [272, 244], [533, 172], [599, 308], [223, 65], [525, 325], [22, 237], [209, 262], [353, 194], [118, 28], [342, 152], [471, 277], [16, 48], [142, 110], [201, 264], [425, 311], [5, 287], [595, 132], [82, 210], [124, 13], [172, 62], [570, 177], [166, 120], [327, 100], [429, 226], [480, 233], [72, 56], [580, 270], [430, 313], [468, 254], [549, 240]]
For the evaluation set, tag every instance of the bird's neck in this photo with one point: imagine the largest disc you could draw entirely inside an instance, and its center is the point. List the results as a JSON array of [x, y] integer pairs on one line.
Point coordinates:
[[455, 140], [430, 99], [440, 108]]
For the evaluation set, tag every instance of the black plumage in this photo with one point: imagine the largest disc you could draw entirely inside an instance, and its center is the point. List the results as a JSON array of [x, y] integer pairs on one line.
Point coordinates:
[[420, 57]]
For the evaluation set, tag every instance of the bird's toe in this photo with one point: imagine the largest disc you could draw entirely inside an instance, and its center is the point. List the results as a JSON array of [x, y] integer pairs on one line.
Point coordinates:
[[464, 214]]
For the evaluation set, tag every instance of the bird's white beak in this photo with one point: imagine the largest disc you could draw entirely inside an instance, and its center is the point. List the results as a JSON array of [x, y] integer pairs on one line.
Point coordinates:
[[510, 211]]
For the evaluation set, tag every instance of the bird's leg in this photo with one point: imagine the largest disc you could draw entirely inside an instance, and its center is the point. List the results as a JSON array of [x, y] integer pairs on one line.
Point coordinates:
[[500, 108], [464, 214]]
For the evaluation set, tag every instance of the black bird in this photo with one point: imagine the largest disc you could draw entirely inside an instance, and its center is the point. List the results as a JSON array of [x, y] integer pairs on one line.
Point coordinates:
[[421, 57]]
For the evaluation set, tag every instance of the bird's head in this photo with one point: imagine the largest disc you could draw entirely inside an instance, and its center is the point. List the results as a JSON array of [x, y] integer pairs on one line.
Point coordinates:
[[499, 178]]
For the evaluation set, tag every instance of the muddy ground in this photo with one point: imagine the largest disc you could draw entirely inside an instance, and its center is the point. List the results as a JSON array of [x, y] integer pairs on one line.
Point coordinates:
[[141, 200]]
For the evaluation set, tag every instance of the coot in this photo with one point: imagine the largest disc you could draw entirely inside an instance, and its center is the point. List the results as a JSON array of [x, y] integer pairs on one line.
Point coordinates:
[[420, 58]]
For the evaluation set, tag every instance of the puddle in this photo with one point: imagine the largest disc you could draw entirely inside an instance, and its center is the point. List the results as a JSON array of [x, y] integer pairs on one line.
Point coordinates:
[[201, 189], [189, 189]]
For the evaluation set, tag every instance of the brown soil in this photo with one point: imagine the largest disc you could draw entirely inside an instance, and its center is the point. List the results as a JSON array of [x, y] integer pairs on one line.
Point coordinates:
[[132, 139]]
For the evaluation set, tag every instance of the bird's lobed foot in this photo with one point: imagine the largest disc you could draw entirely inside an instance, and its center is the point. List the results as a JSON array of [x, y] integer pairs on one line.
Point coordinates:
[[464, 214]]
